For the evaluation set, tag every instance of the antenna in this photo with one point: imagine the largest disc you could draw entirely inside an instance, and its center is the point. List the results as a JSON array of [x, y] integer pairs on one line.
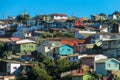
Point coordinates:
[[24, 11], [3, 15]]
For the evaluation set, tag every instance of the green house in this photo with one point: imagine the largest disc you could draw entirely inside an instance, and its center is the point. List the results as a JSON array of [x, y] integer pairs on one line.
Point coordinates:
[[24, 47]]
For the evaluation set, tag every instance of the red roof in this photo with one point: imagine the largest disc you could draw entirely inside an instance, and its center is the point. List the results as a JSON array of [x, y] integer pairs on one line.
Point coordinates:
[[14, 39], [78, 23]]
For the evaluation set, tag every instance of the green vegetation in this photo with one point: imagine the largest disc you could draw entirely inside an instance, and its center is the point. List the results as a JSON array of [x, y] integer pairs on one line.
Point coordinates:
[[6, 54], [58, 34], [38, 74], [23, 18], [47, 69]]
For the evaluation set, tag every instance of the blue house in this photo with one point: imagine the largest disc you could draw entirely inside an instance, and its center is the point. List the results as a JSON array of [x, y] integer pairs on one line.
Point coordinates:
[[103, 66], [65, 50], [112, 64]]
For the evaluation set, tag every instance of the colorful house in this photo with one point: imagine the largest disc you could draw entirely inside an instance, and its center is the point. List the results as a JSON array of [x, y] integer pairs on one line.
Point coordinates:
[[48, 48], [24, 46], [73, 42], [103, 66], [90, 60], [65, 50], [70, 41]]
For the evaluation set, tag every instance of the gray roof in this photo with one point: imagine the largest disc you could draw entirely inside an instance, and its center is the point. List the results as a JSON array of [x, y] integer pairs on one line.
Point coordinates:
[[101, 60], [104, 60]]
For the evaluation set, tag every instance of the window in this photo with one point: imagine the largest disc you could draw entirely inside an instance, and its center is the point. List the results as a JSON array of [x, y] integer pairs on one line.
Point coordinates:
[[115, 65], [31, 46], [24, 46], [14, 67], [69, 58], [76, 57], [73, 58], [49, 47], [8, 67], [79, 47], [108, 65], [68, 50]]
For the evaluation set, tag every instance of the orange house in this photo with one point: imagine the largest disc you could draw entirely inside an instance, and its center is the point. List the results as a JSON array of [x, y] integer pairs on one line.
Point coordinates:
[[78, 23]]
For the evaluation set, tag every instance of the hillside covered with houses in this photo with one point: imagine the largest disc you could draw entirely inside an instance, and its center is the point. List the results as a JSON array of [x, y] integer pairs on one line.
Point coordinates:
[[60, 47]]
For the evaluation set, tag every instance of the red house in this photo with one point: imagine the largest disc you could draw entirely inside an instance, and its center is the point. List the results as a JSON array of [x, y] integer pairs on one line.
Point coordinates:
[[78, 23]]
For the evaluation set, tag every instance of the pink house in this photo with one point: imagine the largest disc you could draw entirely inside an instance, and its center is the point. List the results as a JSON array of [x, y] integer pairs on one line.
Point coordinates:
[[80, 48]]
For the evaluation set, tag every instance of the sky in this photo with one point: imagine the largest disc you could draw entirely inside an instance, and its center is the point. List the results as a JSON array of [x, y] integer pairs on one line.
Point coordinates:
[[79, 8]]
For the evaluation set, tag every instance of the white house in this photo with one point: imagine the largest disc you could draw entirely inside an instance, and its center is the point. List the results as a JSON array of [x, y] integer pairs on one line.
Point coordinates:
[[10, 67], [59, 16], [112, 17], [115, 28], [83, 34], [47, 47]]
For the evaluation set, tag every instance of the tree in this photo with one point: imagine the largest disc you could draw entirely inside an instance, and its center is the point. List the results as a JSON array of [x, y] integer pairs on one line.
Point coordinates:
[[26, 18], [23, 18], [1, 46], [103, 14], [19, 18], [97, 49], [21, 76], [38, 74], [116, 13], [6, 54], [63, 64], [37, 17]]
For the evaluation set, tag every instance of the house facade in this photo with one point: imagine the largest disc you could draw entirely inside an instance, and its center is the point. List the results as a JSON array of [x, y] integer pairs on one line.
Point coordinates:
[[78, 34], [59, 17], [98, 17], [109, 49], [104, 66], [72, 42], [115, 28], [48, 48], [65, 50], [9, 67], [2, 32], [75, 57], [22, 34], [24, 47], [90, 60], [81, 48]]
